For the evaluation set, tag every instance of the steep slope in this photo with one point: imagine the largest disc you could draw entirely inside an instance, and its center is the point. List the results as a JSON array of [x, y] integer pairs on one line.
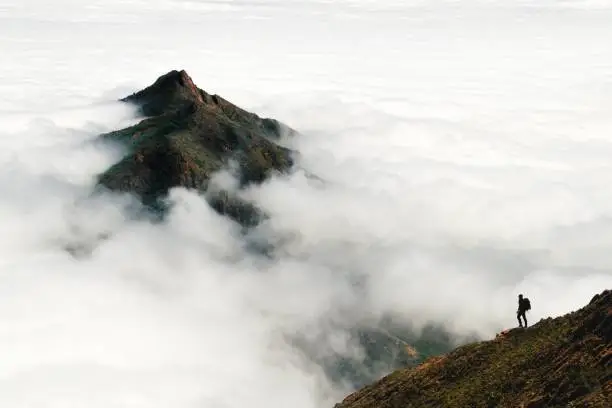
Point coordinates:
[[189, 135], [562, 362]]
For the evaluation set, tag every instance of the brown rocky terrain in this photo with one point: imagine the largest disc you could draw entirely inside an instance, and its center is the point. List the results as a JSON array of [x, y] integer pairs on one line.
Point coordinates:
[[561, 362]]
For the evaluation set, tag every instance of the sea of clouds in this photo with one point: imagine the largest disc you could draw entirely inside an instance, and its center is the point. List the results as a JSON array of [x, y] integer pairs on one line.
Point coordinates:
[[465, 152]]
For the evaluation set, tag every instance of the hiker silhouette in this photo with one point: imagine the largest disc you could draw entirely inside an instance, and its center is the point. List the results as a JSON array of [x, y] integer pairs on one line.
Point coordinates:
[[523, 306]]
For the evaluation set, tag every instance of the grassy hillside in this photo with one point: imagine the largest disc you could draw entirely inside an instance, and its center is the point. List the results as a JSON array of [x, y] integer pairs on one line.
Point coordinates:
[[561, 362]]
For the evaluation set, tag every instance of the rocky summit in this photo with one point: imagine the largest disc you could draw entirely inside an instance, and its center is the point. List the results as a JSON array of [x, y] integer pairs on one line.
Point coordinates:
[[186, 136], [561, 362]]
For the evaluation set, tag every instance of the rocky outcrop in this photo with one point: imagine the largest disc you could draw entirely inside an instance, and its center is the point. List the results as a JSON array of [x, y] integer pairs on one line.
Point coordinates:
[[186, 137], [562, 362]]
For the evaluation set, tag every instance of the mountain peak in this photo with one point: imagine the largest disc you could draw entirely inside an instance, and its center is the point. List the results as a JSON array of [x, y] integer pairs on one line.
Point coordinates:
[[188, 136], [170, 91]]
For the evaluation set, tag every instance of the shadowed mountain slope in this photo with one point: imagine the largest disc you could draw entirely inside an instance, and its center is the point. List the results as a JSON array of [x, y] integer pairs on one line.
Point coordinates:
[[186, 137]]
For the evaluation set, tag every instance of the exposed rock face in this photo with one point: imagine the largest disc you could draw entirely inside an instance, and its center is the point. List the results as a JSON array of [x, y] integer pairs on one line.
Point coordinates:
[[187, 136], [562, 362]]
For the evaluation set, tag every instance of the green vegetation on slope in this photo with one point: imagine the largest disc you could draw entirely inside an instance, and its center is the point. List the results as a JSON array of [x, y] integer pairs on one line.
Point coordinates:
[[562, 362], [187, 137]]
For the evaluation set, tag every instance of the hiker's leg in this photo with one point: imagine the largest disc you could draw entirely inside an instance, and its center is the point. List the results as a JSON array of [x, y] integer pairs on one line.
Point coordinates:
[[518, 316], [525, 318]]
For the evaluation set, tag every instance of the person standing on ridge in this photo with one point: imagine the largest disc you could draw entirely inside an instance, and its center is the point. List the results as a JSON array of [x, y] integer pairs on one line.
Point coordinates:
[[523, 306]]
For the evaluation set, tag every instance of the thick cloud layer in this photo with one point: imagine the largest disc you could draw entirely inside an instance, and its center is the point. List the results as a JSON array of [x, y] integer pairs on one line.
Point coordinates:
[[464, 155]]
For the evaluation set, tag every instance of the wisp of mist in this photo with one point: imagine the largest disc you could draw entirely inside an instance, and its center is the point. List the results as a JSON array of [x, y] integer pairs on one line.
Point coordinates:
[[462, 156]]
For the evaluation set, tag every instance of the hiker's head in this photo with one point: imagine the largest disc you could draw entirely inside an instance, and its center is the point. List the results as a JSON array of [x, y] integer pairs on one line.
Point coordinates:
[[520, 296]]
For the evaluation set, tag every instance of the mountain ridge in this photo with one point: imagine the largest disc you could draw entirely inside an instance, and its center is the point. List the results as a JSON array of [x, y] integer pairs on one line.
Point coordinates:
[[560, 362]]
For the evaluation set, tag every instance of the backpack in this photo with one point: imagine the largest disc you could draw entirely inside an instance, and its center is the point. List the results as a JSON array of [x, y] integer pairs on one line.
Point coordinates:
[[527, 304]]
